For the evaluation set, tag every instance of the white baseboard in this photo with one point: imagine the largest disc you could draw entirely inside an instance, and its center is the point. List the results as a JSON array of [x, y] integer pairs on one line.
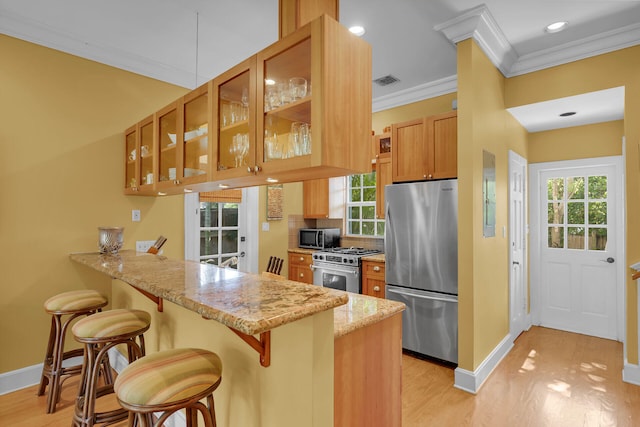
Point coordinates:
[[631, 374], [472, 381]]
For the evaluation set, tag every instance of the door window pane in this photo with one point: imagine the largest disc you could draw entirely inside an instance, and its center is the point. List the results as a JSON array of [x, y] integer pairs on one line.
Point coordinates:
[[598, 213], [229, 241], [575, 237], [555, 213], [575, 187], [208, 214], [208, 242], [597, 239], [597, 187], [575, 213], [556, 237], [229, 214], [555, 189]]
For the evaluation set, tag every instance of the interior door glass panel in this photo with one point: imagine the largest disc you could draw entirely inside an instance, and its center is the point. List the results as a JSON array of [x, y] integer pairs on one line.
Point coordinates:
[[555, 189], [555, 212], [208, 242]]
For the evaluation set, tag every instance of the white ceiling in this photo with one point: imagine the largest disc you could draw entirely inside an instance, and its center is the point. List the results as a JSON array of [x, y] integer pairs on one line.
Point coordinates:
[[187, 42]]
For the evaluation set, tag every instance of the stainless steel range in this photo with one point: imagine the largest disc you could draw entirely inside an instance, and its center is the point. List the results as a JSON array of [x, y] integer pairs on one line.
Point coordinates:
[[339, 268]]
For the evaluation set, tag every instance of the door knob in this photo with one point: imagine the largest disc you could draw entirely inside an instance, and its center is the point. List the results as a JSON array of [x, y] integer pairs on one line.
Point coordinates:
[[242, 254], [609, 260]]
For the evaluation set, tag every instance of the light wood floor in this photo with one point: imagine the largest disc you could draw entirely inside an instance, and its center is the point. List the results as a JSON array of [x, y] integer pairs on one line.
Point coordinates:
[[550, 378]]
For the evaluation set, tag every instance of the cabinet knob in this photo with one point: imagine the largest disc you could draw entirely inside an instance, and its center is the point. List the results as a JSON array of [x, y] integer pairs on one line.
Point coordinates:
[[176, 182], [430, 176], [376, 268], [424, 176], [376, 289], [301, 275], [301, 258], [249, 169]]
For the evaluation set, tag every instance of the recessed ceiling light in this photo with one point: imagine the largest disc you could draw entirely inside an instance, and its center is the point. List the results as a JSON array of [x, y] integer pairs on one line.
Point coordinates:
[[272, 180], [567, 114], [269, 82], [556, 26], [357, 30], [223, 186]]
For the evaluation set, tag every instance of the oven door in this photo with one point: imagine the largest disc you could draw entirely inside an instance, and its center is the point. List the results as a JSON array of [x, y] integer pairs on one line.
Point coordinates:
[[333, 276]]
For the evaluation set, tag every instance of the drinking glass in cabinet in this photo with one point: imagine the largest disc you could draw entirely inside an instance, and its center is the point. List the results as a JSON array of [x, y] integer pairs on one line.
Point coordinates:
[[196, 141], [233, 119], [297, 88]]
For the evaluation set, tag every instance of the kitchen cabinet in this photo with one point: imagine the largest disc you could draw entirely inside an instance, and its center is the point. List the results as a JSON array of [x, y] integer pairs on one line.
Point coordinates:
[[292, 112], [300, 267], [382, 146], [383, 178], [373, 278], [182, 135], [139, 158], [324, 198], [425, 148]]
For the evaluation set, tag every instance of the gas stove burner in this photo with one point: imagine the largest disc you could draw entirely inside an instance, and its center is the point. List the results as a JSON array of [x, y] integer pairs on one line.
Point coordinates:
[[353, 251]]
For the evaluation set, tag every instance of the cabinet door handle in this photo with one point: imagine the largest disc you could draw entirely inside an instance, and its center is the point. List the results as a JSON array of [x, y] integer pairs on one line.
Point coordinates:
[[376, 289], [301, 258], [376, 268]]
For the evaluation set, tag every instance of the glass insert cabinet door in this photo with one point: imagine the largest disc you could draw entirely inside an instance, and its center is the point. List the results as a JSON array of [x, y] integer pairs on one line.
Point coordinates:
[[131, 179], [285, 99], [235, 119], [196, 110], [167, 122], [146, 152]]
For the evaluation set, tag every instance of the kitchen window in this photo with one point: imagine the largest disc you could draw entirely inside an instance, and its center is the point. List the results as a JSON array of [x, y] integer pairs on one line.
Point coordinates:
[[361, 206]]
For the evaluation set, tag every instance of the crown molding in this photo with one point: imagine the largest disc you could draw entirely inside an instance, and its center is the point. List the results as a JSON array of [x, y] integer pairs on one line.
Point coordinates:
[[27, 29], [606, 42], [478, 24], [416, 93]]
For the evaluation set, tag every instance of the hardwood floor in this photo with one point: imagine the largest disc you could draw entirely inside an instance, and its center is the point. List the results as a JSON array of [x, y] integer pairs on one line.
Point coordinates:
[[550, 378]]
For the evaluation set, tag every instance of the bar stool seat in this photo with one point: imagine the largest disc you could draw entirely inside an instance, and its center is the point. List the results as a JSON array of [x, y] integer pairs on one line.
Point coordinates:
[[99, 333], [168, 381], [74, 304]]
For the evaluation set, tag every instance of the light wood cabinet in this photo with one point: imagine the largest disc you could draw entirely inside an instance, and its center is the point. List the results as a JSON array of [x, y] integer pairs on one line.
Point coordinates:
[[373, 278], [139, 158], [424, 149], [300, 267], [383, 178], [323, 198], [249, 137]]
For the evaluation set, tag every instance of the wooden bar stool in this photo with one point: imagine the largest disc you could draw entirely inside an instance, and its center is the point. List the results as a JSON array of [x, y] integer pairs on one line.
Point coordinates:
[[169, 381], [73, 304], [99, 333]]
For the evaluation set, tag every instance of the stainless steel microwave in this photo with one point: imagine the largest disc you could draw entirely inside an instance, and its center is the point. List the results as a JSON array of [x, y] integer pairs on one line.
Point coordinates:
[[319, 238]]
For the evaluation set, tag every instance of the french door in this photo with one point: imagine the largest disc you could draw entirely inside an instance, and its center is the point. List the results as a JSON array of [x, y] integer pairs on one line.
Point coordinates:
[[577, 242]]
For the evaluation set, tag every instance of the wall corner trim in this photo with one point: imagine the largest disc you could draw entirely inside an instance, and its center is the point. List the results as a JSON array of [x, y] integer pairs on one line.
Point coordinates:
[[472, 381], [631, 374]]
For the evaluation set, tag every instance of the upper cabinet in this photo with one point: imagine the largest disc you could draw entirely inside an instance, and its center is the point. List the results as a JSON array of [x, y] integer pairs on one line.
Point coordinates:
[[139, 158], [324, 198], [293, 112], [425, 149]]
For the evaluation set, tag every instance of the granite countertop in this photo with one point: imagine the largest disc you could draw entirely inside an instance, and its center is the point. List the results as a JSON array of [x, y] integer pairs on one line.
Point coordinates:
[[362, 310], [242, 301], [302, 251], [375, 257]]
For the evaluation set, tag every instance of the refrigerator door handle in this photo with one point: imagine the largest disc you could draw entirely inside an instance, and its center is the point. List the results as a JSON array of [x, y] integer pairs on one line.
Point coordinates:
[[418, 295]]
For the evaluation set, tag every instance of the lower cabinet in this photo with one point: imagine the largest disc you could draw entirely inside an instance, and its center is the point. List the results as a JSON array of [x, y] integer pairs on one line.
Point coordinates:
[[300, 267], [373, 281]]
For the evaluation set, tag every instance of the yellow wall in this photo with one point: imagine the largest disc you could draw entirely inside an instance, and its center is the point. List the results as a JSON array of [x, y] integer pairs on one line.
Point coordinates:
[[61, 174], [293, 391], [483, 275], [619, 68], [584, 142]]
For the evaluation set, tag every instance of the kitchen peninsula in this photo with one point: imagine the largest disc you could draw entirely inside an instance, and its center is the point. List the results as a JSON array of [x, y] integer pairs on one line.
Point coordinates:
[[296, 386]]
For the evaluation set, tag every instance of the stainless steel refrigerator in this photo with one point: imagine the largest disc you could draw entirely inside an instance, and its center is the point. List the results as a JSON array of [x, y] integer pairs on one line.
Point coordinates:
[[421, 251]]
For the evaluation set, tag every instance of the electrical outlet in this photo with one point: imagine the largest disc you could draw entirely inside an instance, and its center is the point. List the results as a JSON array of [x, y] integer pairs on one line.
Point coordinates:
[[135, 215], [144, 245]]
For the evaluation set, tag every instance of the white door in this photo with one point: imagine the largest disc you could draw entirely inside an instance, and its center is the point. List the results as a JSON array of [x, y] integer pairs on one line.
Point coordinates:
[[518, 239], [578, 242]]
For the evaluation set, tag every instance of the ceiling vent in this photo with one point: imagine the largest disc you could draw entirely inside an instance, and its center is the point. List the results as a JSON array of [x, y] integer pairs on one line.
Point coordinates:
[[386, 80]]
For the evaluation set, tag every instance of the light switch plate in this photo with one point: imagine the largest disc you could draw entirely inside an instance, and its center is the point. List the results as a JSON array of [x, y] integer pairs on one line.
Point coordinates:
[[135, 215], [265, 226]]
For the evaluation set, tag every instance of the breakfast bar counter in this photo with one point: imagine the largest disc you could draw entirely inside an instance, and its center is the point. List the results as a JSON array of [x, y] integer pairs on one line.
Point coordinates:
[[245, 302]]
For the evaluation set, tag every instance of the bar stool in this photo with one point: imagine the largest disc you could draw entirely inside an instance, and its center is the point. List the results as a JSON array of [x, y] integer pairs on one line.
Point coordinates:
[[99, 333], [73, 304], [169, 381]]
